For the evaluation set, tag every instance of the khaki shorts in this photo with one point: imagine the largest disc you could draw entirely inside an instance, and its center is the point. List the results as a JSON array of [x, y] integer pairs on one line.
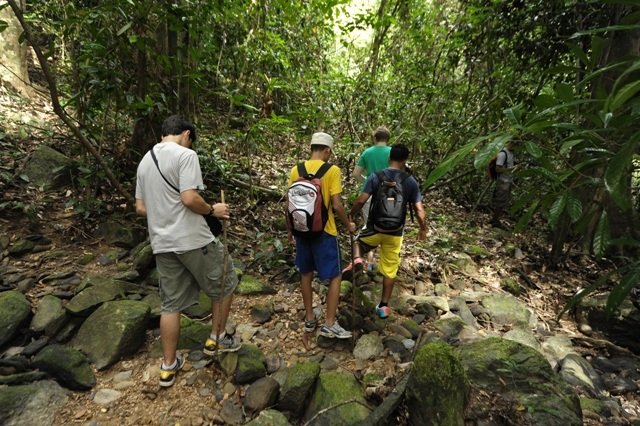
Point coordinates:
[[501, 195], [184, 274]]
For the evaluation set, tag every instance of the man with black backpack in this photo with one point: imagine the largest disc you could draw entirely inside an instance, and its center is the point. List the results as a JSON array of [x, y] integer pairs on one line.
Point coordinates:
[[189, 258], [391, 190], [312, 198]]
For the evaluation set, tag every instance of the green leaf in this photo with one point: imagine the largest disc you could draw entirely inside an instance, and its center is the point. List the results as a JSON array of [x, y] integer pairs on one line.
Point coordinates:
[[574, 207], [568, 145], [514, 115], [622, 290], [564, 92], [545, 101], [556, 210], [539, 125], [3, 25], [551, 176], [533, 149], [490, 150], [578, 52], [622, 96], [526, 217], [124, 28], [616, 174], [606, 29], [449, 163], [602, 237]]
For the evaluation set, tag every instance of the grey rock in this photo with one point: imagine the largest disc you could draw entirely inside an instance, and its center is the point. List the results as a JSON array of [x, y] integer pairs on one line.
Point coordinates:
[[270, 418], [413, 328], [556, 348], [21, 247], [274, 362], [15, 310], [33, 404], [525, 337], [505, 309], [130, 276], [261, 394], [328, 364], [261, 313], [577, 371], [400, 330], [122, 376], [231, 413], [368, 346], [459, 307], [437, 302], [155, 305], [70, 367], [106, 397], [120, 234], [35, 346], [121, 323], [617, 385], [143, 260], [394, 344], [50, 316], [409, 344]]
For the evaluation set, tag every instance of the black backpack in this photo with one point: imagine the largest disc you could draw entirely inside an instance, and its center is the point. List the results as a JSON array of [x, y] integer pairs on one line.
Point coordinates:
[[388, 206]]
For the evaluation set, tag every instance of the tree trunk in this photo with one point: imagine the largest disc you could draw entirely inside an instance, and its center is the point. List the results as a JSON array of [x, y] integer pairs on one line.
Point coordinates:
[[13, 54]]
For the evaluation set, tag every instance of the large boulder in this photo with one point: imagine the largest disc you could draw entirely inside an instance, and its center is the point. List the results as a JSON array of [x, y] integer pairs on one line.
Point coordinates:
[[114, 330], [438, 388], [505, 309], [14, 311], [91, 297], [269, 418], [33, 404], [506, 372], [48, 168], [70, 367], [261, 394], [296, 387], [334, 388], [120, 234], [50, 316]]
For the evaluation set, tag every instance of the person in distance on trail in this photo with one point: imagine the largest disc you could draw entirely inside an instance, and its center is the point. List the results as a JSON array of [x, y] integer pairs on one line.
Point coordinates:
[[505, 166], [391, 191], [188, 257], [372, 160], [313, 200]]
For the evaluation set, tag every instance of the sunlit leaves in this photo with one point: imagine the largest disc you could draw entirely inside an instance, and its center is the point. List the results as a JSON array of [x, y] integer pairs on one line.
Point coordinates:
[[491, 150], [602, 237]]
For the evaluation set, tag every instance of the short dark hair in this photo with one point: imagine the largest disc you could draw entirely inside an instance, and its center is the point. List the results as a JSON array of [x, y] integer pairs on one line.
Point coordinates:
[[176, 124], [399, 152], [318, 147]]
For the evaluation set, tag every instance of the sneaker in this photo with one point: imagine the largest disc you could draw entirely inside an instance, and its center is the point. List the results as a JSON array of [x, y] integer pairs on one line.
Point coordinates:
[[167, 377], [356, 265], [383, 311], [334, 331], [310, 325], [372, 267], [225, 344]]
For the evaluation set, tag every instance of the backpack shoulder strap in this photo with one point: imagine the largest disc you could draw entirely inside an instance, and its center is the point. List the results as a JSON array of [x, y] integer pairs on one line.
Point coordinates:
[[401, 177], [302, 170], [322, 170], [155, 160]]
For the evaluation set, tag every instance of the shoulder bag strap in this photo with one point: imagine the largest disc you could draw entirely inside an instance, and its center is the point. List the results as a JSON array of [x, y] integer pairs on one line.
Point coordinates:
[[155, 160]]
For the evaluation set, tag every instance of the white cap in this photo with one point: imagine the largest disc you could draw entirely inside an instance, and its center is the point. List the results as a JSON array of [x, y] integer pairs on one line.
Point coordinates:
[[321, 138]]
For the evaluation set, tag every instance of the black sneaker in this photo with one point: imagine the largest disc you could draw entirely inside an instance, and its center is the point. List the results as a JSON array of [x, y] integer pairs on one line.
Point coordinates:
[[310, 325], [225, 344], [168, 377]]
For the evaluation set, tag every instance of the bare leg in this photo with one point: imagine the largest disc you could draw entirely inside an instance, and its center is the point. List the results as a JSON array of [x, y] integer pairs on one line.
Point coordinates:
[[169, 334], [333, 296], [220, 313], [307, 293], [387, 289]]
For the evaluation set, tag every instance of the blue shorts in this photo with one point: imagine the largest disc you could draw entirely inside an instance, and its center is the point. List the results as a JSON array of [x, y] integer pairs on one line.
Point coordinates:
[[320, 254]]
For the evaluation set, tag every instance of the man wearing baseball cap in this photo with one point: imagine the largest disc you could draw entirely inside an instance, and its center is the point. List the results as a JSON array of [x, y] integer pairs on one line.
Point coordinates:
[[322, 254]]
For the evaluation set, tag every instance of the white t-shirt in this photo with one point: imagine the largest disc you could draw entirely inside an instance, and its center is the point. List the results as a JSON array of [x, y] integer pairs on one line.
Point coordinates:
[[506, 159], [172, 226]]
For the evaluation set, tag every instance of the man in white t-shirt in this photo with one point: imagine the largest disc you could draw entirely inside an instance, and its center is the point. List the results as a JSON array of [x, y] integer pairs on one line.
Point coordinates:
[[188, 256], [505, 166]]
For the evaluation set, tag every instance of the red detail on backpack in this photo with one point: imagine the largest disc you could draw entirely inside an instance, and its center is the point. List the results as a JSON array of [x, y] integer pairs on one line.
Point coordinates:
[[307, 214]]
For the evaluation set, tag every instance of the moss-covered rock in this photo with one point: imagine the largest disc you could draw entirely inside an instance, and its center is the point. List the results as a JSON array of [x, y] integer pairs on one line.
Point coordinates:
[[269, 418], [15, 309], [296, 388], [70, 367], [512, 286], [438, 387], [251, 365], [93, 296], [114, 330], [505, 309], [48, 168], [252, 285], [50, 316], [120, 234], [595, 406], [21, 247], [200, 309], [331, 389], [514, 373]]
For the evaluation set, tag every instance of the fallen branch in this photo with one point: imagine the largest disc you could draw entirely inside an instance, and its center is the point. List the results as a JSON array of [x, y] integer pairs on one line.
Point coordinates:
[[60, 112]]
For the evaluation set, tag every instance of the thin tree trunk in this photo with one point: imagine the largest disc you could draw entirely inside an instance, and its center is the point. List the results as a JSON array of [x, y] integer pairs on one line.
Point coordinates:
[[57, 107]]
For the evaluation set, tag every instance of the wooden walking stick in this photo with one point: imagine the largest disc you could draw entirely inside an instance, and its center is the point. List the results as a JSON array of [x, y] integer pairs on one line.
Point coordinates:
[[354, 280], [225, 260]]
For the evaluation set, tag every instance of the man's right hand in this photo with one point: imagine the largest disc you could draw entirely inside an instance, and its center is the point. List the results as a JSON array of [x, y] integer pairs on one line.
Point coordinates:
[[221, 210], [352, 228]]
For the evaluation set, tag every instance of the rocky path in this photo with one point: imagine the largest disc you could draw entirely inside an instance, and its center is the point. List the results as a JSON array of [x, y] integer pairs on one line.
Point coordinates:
[[482, 292]]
